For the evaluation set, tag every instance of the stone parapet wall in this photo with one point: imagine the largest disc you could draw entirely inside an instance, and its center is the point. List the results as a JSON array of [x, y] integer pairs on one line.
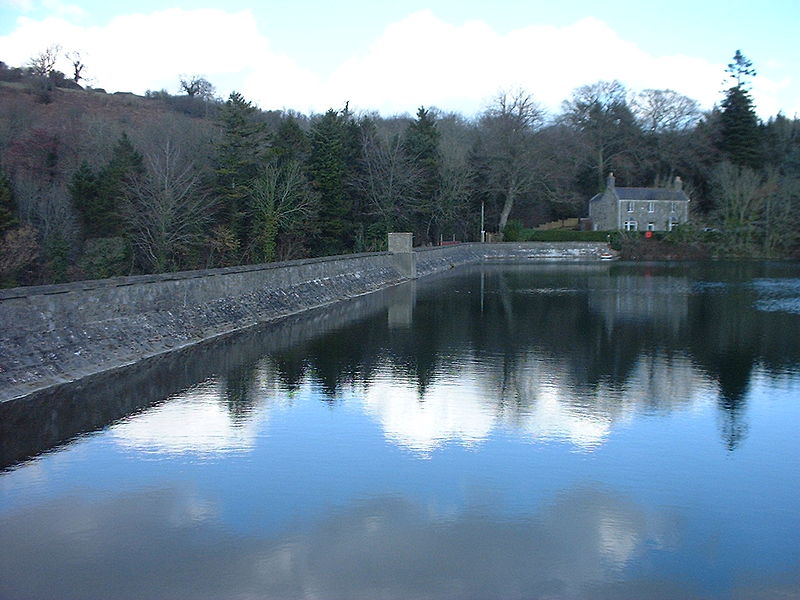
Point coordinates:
[[56, 334], [60, 333], [440, 258]]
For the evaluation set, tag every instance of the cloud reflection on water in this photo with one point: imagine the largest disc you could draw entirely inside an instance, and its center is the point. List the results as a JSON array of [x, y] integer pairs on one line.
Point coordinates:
[[538, 399], [156, 544], [195, 421]]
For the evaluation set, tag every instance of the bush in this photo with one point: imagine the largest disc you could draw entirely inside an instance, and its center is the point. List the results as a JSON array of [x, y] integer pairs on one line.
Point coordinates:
[[566, 235], [42, 88], [513, 231], [105, 257], [18, 251]]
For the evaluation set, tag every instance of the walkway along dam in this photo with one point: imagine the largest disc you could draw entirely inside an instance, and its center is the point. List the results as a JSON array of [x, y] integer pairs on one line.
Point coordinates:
[[57, 334]]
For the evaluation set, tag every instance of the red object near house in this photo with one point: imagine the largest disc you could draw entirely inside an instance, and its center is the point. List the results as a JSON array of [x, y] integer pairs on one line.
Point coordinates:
[[648, 234]]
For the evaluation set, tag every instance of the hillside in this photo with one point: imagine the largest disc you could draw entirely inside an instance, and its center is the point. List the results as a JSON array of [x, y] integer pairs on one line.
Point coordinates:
[[95, 185]]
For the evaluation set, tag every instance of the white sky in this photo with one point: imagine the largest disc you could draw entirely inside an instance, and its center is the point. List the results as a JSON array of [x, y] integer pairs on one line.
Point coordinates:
[[455, 57]]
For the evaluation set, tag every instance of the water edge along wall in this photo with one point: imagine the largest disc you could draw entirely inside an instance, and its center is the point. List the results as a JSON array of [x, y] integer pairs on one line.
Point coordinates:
[[56, 334]]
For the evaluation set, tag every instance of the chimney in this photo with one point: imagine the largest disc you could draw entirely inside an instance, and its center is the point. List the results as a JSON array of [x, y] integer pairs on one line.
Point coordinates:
[[678, 184], [610, 181]]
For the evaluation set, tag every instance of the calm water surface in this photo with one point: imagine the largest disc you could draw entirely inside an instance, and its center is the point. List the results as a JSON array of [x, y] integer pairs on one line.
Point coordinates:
[[595, 431]]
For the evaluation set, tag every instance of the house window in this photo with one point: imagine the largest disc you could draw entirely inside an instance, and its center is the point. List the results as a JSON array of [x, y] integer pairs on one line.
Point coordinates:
[[672, 207], [631, 226], [651, 207], [672, 224], [651, 227], [630, 206]]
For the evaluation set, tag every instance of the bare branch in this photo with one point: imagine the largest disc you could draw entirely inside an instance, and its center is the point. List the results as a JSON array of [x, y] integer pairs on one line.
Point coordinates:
[[665, 110], [166, 209], [44, 63], [78, 65]]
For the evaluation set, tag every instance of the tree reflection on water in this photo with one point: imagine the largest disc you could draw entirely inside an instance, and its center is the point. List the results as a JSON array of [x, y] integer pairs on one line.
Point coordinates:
[[511, 431], [555, 351]]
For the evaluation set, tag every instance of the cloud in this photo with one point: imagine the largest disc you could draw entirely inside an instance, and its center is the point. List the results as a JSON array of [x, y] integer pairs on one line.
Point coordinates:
[[139, 52], [419, 60], [424, 60]]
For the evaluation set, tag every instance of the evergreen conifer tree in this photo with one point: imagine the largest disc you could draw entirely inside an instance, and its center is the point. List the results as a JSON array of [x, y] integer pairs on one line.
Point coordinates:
[[334, 143], [83, 189], [8, 207], [740, 134], [240, 153], [102, 213], [422, 147], [290, 142]]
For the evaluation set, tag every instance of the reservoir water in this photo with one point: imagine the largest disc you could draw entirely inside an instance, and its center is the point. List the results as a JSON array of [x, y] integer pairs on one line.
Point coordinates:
[[500, 431]]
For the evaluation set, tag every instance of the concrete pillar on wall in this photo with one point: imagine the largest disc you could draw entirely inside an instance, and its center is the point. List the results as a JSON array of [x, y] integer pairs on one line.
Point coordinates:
[[405, 259]]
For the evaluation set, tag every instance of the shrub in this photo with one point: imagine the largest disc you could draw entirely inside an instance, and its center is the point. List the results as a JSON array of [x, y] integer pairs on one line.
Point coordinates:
[[566, 235], [105, 257], [513, 231], [18, 251]]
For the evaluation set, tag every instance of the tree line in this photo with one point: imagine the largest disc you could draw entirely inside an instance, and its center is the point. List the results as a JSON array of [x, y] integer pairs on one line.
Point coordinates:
[[96, 186]]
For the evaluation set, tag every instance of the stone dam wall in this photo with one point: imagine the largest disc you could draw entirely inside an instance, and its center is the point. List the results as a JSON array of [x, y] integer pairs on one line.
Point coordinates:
[[56, 334]]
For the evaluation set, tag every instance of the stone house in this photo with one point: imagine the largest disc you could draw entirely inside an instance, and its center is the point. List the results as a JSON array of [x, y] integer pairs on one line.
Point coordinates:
[[639, 209]]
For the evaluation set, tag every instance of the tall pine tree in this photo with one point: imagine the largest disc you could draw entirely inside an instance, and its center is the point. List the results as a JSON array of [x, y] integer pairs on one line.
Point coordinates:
[[240, 154], [84, 189], [102, 210], [740, 134], [97, 196], [334, 154], [291, 142], [422, 147]]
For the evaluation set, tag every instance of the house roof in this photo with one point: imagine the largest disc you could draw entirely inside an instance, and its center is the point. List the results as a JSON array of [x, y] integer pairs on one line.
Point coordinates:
[[635, 193]]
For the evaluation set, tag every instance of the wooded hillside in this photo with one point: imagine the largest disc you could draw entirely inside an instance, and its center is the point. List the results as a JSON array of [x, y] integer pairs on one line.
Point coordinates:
[[95, 185]]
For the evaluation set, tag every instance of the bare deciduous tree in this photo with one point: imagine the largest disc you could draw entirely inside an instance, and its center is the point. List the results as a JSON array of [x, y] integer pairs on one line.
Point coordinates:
[[46, 207], [386, 177], [451, 203], [781, 215], [665, 110], [78, 66], [738, 194], [507, 146], [197, 85], [280, 196], [166, 209], [559, 162], [44, 63], [18, 249]]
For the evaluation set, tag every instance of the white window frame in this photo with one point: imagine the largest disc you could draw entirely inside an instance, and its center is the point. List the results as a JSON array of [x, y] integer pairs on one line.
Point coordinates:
[[651, 226], [651, 207], [630, 207], [631, 226]]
